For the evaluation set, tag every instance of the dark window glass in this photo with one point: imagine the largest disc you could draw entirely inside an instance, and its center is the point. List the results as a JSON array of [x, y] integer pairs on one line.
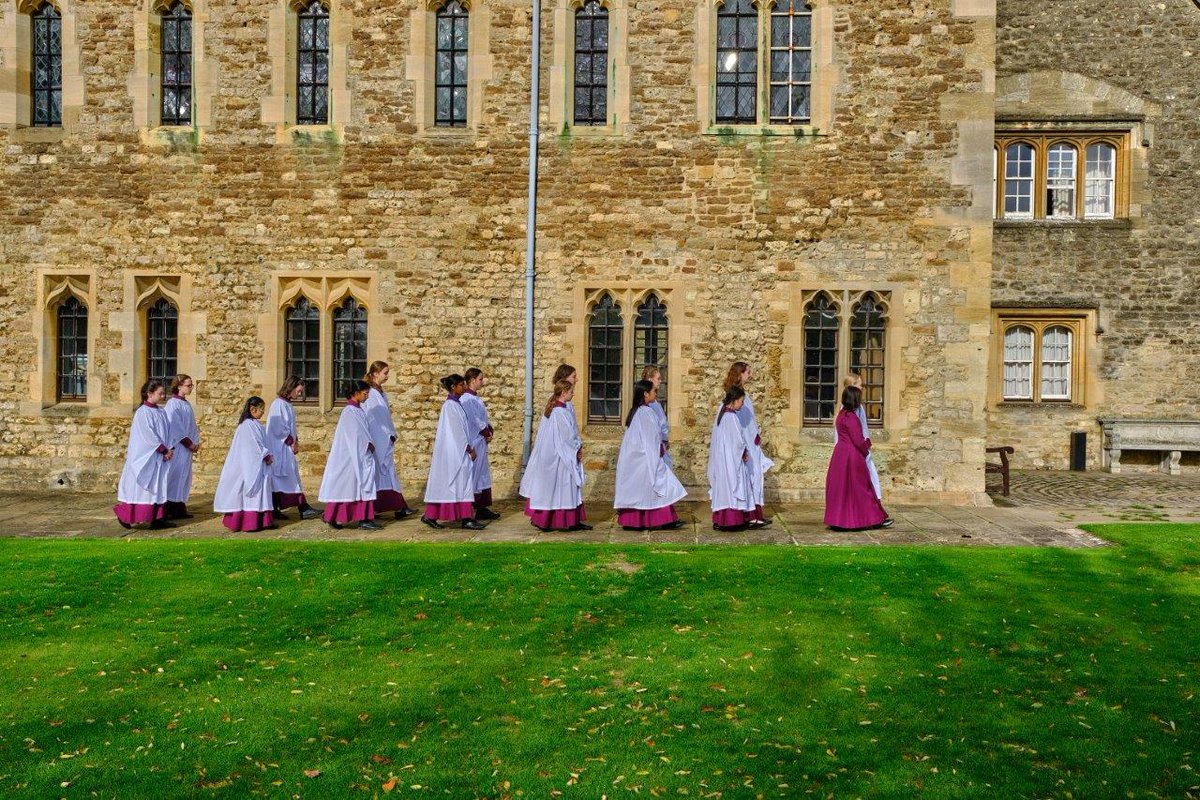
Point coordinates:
[[349, 344], [312, 65], [72, 350], [604, 362], [162, 338], [737, 62], [820, 360], [591, 64], [303, 345], [791, 62], [650, 342], [46, 74], [177, 65], [868, 331], [450, 84]]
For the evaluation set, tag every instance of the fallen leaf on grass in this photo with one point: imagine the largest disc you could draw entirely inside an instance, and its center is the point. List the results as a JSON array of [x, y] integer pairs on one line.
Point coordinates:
[[389, 784], [378, 759], [311, 773]]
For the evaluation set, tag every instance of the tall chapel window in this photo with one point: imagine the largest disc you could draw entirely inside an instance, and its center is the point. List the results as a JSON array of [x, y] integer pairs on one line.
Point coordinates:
[[176, 89], [791, 62], [650, 342], [349, 344], [46, 74], [591, 64], [605, 332], [737, 62], [450, 84], [303, 346], [72, 349], [162, 340], [312, 64], [821, 328], [845, 332], [868, 334]]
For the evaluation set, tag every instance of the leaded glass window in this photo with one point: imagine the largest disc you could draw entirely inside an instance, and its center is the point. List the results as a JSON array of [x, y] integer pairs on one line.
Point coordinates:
[[162, 340], [1018, 363], [820, 360], [1018, 181], [791, 62], [176, 90], [303, 346], [591, 64], [604, 362], [1100, 178], [1061, 166], [46, 74], [1056, 363], [450, 85], [737, 62], [868, 334], [72, 346], [312, 65], [349, 344], [650, 342]]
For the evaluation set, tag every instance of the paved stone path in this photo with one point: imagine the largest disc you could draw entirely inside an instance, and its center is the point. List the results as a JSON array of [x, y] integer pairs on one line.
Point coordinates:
[[1102, 497]]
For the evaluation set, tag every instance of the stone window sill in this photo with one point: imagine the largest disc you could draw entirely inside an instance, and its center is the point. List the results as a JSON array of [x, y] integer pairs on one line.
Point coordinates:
[[28, 134], [435, 132], [822, 433], [1065, 405], [1110, 224], [795, 131], [590, 131]]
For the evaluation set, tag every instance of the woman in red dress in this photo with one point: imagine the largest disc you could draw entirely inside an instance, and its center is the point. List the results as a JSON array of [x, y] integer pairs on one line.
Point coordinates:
[[850, 501]]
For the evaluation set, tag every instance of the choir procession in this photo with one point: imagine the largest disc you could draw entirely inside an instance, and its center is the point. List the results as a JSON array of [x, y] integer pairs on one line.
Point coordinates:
[[261, 479]]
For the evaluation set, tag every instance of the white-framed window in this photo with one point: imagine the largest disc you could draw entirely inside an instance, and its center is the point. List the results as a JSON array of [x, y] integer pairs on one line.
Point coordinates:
[[1100, 181], [1061, 168], [1039, 355], [1039, 175]]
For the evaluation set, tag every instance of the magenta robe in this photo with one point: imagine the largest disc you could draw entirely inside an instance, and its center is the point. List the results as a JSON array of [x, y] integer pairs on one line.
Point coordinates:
[[850, 500]]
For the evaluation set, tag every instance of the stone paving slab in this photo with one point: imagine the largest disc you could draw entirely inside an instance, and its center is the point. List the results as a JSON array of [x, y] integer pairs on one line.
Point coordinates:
[[74, 515]]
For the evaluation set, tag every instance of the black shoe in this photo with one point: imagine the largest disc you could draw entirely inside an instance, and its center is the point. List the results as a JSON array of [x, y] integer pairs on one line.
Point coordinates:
[[580, 526], [539, 527], [473, 525], [755, 524], [626, 527], [729, 528], [337, 526], [159, 524], [309, 513], [672, 526], [887, 523], [486, 513], [124, 525], [271, 527], [404, 513], [433, 523], [369, 525], [279, 514]]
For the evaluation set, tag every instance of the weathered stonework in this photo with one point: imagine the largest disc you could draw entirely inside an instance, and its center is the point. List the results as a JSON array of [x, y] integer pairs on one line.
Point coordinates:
[[892, 194]]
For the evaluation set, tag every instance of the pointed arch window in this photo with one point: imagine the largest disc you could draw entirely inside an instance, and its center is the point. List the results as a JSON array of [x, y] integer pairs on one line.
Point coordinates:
[[176, 89], [303, 344], [349, 344], [72, 349], [450, 84], [591, 64], [821, 328], [650, 332], [312, 64], [605, 331], [46, 73], [868, 339], [162, 340]]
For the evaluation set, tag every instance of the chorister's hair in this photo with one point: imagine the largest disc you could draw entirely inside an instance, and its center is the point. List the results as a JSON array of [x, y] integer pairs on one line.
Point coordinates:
[[472, 373], [733, 394], [289, 386], [254, 401], [373, 370], [148, 387], [851, 398], [561, 387], [177, 381], [450, 381], [354, 387], [563, 372], [649, 371], [734, 377], [851, 379], [640, 390]]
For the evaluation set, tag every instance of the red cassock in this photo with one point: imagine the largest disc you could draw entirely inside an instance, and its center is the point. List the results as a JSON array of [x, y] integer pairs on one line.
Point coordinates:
[[850, 500]]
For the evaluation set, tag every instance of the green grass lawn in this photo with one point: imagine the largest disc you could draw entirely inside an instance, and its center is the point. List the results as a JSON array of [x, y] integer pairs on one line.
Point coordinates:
[[231, 668]]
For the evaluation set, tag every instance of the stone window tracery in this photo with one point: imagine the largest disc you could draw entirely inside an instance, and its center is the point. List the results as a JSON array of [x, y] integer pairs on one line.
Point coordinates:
[[650, 341], [868, 350], [1038, 176], [844, 332], [349, 344], [605, 330], [626, 330]]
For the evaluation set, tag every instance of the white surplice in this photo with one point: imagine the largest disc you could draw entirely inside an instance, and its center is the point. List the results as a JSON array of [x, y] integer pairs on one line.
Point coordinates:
[[350, 470], [477, 420], [281, 431], [144, 476], [181, 421], [450, 478], [644, 479], [553, 477], [759, 463], [383, 434], [729, 484], [861, 413], [245, 483], [664, 429]]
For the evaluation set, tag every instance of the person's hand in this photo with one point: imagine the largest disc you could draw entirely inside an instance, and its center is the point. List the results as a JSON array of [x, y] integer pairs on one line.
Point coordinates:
[[745, 456], [167, 456], [269, 459], [579, 456], [195, 448], [471, 452], [370, 447], [295, 448], [487, 437]]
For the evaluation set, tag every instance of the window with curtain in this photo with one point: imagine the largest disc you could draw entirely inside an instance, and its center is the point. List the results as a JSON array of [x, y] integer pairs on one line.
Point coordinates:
[[303, 346], [1061, 166], [650, 342], [821, 327], [605, 331], [1060, 176], [72, 349], [1100, 181], [1056, 363], [312, 65], [1018, 363], [162, 340], [46, 66], [349, 344], [1018, 181], [450, 84], [176, 75], [591, 64]]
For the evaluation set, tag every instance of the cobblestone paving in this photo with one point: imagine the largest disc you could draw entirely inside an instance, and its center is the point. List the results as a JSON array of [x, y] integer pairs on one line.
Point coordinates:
[[1102, 496], [59, 515]]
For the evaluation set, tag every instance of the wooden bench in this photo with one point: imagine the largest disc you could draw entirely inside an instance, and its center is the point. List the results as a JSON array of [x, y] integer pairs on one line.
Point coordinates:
[[1171, 437], [1001, 469]]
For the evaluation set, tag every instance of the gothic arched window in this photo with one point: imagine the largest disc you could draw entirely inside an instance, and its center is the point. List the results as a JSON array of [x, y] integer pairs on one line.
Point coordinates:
[[72, 349], [312, 65], [650, 342], [162, 338], [349, 344], [820, 359], [303, 346], [868, 337], [604, 362]]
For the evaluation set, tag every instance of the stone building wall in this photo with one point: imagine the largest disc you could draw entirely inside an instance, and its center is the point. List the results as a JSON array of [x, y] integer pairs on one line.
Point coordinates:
[[1098, 60], [428, 227]]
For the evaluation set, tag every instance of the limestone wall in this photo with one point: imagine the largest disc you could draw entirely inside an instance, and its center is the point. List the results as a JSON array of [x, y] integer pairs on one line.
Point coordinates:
[[428, 226]]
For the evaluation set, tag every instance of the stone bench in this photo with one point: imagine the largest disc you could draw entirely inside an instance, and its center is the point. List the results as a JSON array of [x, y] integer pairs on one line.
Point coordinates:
[[1167, 436]]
